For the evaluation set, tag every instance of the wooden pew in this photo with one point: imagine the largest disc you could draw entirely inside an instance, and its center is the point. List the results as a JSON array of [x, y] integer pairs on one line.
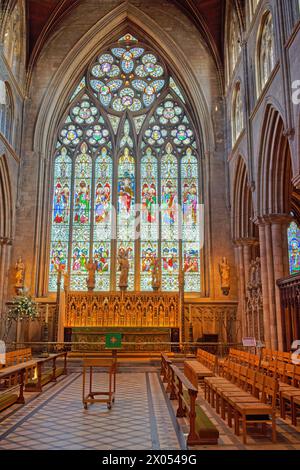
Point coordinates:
[[196, 372], [45, 376], [201, 429], [207, 359], [289, 389], [11, 379], [245, 394], [17, 357], [20, 356], [295, 404]]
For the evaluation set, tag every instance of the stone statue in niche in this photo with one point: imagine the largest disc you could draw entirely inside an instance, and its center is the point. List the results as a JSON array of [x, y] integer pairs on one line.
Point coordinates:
[[156, 278], [224, 270], [91, 268], [123, 268], [20, 275]]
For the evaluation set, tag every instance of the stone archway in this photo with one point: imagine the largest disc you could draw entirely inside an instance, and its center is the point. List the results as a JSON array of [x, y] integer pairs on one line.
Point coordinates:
[[244, 234], [273, 217], [5, 227]]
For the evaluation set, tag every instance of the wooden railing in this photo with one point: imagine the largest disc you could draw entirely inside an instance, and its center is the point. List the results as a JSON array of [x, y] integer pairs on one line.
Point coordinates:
[[45, 376], [12, 378], [201, 431]]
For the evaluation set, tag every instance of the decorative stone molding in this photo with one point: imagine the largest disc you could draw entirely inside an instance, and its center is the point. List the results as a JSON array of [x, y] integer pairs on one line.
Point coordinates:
[[213, 318], [254, 303]]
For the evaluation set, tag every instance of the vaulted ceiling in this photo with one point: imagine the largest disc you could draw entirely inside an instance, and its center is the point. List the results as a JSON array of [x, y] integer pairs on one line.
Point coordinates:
[[208, 15]]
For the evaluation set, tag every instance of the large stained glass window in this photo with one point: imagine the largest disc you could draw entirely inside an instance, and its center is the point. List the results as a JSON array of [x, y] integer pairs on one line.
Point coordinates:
[[126, 175], [294, 248]]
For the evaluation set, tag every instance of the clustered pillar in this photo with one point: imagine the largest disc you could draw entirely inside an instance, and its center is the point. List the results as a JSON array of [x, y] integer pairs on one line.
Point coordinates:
[[245, 251], [274, 266]]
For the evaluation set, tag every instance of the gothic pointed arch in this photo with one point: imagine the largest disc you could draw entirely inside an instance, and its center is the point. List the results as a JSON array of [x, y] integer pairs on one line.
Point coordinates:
[[128, 126], [275, 166], [243, 211]]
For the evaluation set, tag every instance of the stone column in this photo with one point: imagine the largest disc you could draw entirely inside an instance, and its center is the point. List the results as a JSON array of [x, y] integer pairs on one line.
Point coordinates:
[[264, 280], [274, 254], [244, 253], [241, 313], [279, 225]]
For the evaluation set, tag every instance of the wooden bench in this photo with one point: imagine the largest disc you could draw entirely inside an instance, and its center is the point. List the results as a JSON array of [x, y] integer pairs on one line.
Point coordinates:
[[196, 372], [20, 356], [295, 404], [289, 388], [43, 377], [12, 379], [201, 430], [246, 395], [17, 357], [207, 359]]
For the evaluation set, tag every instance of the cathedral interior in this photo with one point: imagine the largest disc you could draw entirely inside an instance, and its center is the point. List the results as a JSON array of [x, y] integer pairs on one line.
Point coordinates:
[[150, 224]]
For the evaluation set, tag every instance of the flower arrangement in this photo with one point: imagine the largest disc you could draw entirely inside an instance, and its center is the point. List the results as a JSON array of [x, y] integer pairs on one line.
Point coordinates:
[[22, 308]]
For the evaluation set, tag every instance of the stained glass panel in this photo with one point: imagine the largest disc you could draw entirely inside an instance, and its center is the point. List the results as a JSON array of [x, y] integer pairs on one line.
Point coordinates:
[[81, 218], [60, 216], [190, 221], [102, 219], [294, 248], [149, 217], [127, 77], [159, 143], [169, 218], [126, 207]]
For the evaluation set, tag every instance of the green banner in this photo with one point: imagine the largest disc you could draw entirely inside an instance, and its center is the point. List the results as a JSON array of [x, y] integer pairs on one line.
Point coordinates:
[[113, 341]]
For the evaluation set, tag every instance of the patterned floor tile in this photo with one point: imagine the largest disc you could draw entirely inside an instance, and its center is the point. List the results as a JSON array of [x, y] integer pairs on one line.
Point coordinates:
[[140, 417]]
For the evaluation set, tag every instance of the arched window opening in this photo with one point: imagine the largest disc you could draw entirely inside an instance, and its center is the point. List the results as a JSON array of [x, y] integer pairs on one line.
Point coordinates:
[[126, 176], [237, 114], [234, 42], [265, 52], [6, 111], [12, 46]]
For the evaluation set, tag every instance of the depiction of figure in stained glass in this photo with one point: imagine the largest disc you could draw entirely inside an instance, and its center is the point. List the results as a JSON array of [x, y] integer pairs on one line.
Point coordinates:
[[82, 203], [189, 203], [294, 247], [61, 202], [148, 258], [191, 264], [80, 258], [126, 193], [149, 202], [102, 202], [170, 260], [168, 203], [126, 185], [101, 256], [57, 257]]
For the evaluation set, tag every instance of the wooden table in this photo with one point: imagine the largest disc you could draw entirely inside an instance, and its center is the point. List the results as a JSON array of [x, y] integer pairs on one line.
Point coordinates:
[[111, 365], [196, 372]]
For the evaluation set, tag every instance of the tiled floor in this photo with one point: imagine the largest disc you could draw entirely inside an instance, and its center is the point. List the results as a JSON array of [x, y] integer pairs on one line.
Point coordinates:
[[141, 418]]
